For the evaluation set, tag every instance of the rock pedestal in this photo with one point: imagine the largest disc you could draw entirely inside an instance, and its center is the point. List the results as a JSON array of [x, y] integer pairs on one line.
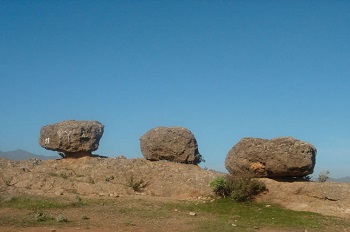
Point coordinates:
[[279, 157], [73, 138], [176, 144]]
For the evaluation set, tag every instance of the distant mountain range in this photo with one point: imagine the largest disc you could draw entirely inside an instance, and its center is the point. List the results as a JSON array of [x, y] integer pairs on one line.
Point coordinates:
[[340, 180], [22, 155]]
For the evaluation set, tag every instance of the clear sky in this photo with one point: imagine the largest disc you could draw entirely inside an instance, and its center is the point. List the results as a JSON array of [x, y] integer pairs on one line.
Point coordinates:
[[223, 69]]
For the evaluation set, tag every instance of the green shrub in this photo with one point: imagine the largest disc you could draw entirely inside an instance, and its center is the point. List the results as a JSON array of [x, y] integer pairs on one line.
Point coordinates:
[[200, 158], [244, 188], [239, 189], [219, 186]]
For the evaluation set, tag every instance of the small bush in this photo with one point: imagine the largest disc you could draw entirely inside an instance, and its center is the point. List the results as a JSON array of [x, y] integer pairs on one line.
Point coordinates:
[[78, 201], [239, 189], [63, 175], [200, 158], [41, 217], [137, 185], [84, 217], [323, 176], [61, 218], [244, 188], [109, 178], [219, 186]]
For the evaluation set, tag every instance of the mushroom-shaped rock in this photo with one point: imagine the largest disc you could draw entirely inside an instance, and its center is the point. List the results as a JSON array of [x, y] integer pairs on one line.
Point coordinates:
[[275, 158], [176, 144], [73, 138]]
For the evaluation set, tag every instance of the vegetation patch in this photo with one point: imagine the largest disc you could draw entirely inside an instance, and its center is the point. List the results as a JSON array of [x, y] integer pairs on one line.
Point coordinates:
[[227, 215], [219, 215], [109, 178], [30, 202], [41, 216], [37, 203], [62, 175], [239, 189], [137, 185]]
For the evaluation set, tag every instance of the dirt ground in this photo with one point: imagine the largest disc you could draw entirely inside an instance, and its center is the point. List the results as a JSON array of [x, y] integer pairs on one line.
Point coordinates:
[[326, 198], [111, 178], [111, 217], [131, 213]]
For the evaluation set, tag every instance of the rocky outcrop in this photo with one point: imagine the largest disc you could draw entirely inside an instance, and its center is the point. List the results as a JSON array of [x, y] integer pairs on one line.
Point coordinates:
[[279, 157], [176, 144], [73, 138]]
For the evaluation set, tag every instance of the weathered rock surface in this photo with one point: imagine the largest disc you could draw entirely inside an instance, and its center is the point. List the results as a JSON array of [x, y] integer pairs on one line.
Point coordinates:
[[176, 144], [73, 138], [325, 198], [97, 177], [279, 157]]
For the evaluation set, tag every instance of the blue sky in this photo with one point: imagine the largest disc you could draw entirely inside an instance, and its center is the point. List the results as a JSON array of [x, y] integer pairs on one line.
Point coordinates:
[[223, 69]]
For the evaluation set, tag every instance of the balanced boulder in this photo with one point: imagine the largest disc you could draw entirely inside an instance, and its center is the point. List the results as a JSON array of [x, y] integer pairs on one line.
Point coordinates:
[[279, 157], [73, 138], [176, 144]]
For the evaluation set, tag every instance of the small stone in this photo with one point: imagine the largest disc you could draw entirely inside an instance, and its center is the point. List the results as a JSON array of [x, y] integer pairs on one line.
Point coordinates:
[[193, 213], [267, 206], [59, 192], [234, 225]]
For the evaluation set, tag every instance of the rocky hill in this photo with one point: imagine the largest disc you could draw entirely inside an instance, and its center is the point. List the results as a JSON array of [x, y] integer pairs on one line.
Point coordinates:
[[114, 177], [104, 177]]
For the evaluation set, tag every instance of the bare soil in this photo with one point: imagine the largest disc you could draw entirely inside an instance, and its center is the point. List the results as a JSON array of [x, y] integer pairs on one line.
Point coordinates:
[[327, 198], [110, 177]]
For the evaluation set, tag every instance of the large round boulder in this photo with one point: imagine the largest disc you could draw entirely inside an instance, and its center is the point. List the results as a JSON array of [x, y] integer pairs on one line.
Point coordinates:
[[176, 144], [73, 138], [279, 157]]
